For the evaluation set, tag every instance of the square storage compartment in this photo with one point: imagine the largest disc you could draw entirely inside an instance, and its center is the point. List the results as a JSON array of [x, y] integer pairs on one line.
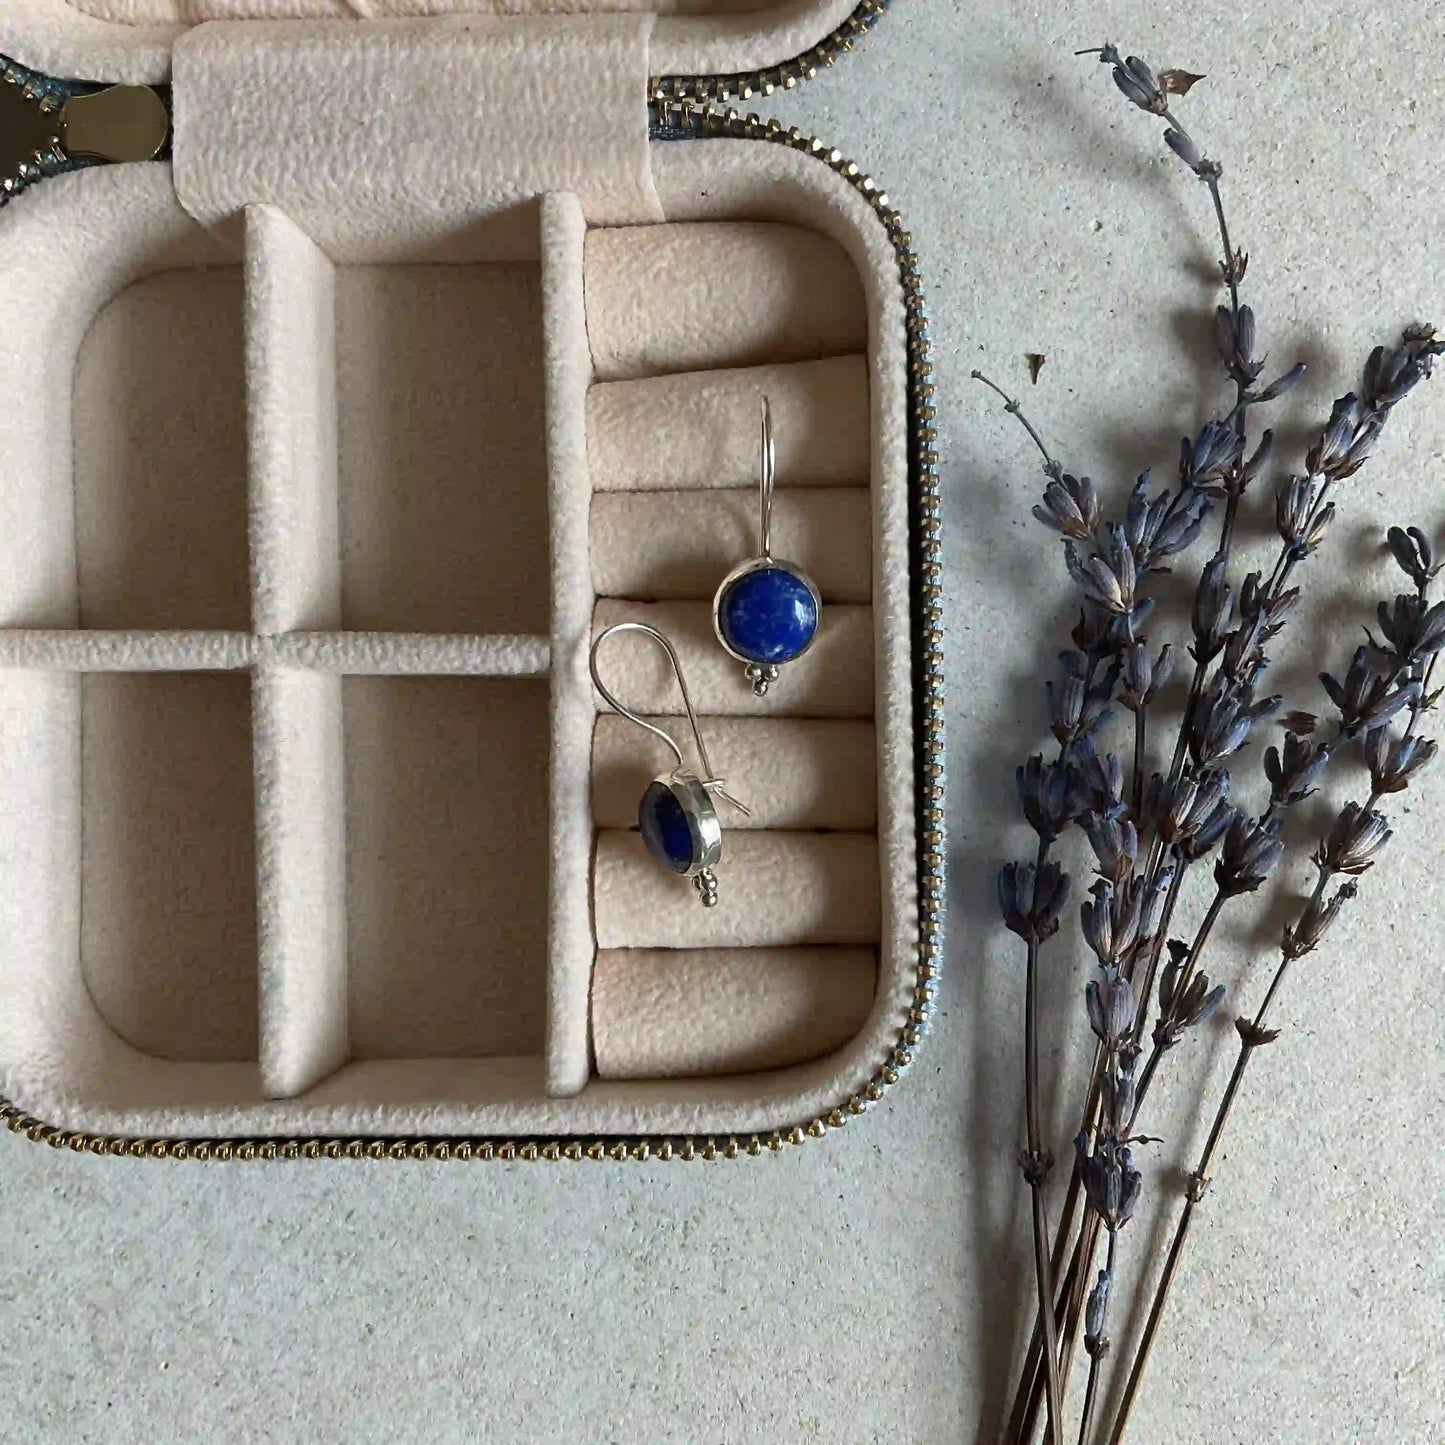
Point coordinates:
[[446, 866], [442, 467], [160, 457], [128, 936], [168, 863]]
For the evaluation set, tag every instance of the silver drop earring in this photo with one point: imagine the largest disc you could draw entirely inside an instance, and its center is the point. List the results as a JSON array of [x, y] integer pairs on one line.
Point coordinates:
[[676, 814], [766, 611]]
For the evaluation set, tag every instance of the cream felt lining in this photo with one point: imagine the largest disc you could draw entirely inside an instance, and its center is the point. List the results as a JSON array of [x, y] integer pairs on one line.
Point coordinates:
[[131, 40], [421, 894]]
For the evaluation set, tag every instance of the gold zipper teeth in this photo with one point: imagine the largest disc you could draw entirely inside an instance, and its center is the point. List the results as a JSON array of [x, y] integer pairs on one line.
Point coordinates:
[[707, 89], [688, 118]]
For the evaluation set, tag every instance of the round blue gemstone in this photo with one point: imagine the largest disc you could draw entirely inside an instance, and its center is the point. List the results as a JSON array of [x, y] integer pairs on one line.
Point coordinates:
[[768, 615], [665, 828]]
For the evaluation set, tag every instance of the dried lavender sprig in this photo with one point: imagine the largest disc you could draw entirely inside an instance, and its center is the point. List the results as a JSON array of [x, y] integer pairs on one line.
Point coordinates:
[[1349, 448], [1047, 804], [1366, 697], [1151, 533], [1235, 327], [1252, 849], [1350, 848], [1342, 449]]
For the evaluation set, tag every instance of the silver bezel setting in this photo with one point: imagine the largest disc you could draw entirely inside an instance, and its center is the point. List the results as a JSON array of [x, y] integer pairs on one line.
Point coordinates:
[[702, 820]]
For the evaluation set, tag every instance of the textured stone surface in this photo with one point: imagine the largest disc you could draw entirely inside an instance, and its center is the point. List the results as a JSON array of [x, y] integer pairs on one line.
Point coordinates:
[[864, 1288], [768, 615]]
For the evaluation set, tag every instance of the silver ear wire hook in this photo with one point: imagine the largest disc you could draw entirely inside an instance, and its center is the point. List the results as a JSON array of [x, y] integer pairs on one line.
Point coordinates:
[[676, 816], [766, 611], [711, 783], [767, 470]]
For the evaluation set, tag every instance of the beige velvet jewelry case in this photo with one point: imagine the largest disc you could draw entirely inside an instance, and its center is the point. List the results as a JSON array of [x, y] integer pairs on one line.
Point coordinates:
[[433, 345]]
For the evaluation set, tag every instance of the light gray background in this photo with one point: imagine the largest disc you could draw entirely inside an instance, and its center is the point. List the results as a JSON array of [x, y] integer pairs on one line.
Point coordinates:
[[864, 1288]]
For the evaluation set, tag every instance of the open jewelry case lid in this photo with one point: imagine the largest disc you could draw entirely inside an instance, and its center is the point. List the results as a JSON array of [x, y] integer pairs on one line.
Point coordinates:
[[423, 355]]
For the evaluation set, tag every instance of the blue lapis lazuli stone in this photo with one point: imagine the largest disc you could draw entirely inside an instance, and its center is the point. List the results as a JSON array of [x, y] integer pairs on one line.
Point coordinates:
[[768, 615], [664, 828]]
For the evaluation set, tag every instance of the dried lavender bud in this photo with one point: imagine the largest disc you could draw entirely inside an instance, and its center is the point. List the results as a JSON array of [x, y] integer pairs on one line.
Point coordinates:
[[1411, 549], [1390, 376], [1234, 337], [1031, 898], [1294, 771], [1185, 147], [1244, 647], [1255, 464], [1107, 576], [1224, 718], [1300, 527], [1120, 1092], [1070, 506], [1348, 436], [1111, 1008], [1315, 922], [1395, 761], [1215, 452], [1354, 839], [1111, 1182], [1066, 698], [1286, 381], [1048, 795], [1249, 855], [1194, 845], [1117, 919], [1096, 1314], [1115, 843], [1098, 919], [1143, 676], [1412, 631], [1166, 526], [1300, 722], [1101, 781], [1135, 79], [1182, 1005], [1151, 909], [1365, 698], [1213, 615], [1257, 600], [1193, 802]]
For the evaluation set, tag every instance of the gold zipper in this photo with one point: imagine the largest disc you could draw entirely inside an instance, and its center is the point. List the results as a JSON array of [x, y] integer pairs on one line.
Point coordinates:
[[708, 89], [685, 118]]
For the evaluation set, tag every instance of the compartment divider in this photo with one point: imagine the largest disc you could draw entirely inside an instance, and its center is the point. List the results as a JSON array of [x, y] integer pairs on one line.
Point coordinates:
[[417, 654], [291, 383], [301, 877], [66, 651], [568, 372]]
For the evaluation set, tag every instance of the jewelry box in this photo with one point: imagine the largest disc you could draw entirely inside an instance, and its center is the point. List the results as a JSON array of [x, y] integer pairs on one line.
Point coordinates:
[[429, 345]]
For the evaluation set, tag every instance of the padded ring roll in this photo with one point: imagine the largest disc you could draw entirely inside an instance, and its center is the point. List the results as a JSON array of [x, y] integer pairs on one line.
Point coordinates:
[[774, 890], [681, 1013], [697, 295]]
